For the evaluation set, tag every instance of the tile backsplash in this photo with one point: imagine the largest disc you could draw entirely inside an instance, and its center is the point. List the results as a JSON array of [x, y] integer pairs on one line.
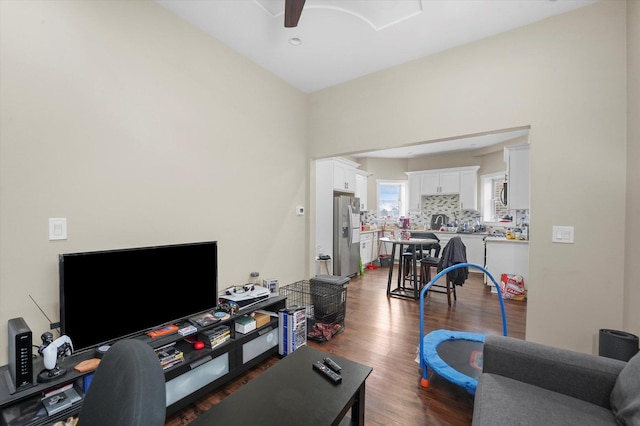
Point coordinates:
[[448, 204]]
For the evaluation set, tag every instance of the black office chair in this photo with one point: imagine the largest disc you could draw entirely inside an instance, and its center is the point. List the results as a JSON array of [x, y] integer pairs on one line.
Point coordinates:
[[128, 388]]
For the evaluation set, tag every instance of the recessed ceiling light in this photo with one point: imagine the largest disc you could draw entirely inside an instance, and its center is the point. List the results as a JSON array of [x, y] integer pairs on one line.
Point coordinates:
[[295, 41]]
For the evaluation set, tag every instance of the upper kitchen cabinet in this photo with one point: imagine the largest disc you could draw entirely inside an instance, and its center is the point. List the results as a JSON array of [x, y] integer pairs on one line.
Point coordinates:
[[440, 182], [469, 189], [415, 191], [459, 180], [332, 174], [517, 159], [361, 188], [344, 174]]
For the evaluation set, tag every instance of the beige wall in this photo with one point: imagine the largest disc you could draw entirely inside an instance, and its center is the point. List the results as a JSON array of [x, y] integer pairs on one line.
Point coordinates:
[[565, 77], [632, 224], [140, 130]]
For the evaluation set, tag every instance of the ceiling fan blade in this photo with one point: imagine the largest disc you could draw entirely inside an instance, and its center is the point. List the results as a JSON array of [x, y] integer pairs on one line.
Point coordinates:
[[292, 12]]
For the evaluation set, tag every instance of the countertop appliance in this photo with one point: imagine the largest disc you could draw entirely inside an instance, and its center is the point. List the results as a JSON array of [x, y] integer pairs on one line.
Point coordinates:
[[346, 236]]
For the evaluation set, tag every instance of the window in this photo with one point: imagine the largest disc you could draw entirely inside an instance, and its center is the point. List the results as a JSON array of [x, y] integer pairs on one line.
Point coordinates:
[[392, 200], [492, 207]]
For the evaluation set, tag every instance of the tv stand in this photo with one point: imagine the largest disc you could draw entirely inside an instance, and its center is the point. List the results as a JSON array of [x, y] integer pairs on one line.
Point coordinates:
[[201, 371]]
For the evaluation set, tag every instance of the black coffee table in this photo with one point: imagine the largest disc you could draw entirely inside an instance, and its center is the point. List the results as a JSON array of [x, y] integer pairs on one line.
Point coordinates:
[[291, 392]]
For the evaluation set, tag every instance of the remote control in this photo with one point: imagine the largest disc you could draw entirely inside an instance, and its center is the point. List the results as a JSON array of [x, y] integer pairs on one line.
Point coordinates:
[[332, 375], [332, 364]]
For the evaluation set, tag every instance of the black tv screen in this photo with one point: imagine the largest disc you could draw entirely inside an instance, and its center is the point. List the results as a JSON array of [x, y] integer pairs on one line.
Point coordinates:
[[107, 295]]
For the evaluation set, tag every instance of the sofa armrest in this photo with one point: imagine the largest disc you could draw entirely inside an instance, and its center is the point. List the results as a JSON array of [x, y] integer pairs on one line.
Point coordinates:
[[584, 376]]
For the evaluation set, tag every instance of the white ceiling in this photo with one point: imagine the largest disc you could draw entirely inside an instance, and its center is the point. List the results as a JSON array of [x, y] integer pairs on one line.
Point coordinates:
[[345, 39]]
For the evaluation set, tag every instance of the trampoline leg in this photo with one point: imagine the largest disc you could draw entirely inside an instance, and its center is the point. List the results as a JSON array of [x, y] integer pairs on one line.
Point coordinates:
[[424, 380]]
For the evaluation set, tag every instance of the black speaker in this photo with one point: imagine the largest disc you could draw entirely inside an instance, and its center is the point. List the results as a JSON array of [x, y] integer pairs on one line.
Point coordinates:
[[20, 356]]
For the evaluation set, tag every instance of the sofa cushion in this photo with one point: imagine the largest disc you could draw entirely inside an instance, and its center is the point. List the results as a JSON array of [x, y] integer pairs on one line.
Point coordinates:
[[503, 401], [625, 396]]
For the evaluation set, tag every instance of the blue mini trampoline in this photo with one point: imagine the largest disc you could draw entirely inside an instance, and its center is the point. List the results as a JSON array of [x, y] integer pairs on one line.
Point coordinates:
[[454, 355]]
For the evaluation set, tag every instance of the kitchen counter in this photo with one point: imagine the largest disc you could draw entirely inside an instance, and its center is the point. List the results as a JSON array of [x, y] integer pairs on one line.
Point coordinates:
[[504, 240]]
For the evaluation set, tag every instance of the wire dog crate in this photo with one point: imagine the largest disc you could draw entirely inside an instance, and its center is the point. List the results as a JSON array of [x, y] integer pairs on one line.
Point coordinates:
[[325, 301]]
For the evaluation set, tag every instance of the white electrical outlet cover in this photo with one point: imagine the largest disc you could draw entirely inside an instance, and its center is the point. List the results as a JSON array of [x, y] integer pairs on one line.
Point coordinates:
[[57, 229]]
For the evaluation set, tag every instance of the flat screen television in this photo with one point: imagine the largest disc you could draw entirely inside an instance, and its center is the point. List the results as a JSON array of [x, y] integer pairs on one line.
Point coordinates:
[[111, 294]]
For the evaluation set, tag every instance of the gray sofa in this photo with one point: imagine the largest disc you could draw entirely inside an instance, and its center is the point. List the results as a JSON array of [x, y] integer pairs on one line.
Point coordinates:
[[526, 383]]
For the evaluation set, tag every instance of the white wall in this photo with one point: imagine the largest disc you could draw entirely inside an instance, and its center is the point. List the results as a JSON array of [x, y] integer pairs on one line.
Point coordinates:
[[565, 77], [140, 130]]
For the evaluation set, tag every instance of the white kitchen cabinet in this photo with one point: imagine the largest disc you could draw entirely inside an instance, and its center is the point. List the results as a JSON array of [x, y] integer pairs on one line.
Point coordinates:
[[366, 243], [517, 159], [368, 247], [328, 172], [344, 175], [474, 244], [459, 180], [415, 191], [469, 189], [361, 188], [507, 257], [475, 250], [441, 183]]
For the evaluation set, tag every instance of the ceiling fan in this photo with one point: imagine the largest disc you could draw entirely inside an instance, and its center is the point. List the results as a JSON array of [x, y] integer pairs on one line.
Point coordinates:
[[292, 12]]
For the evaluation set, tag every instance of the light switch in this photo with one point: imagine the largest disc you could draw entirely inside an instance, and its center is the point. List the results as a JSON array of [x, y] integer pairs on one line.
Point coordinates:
[[57, 229], [562, 234], [300, 210]]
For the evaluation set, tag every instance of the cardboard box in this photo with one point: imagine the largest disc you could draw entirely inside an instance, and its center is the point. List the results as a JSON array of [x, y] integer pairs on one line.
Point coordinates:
[[261, 319], [245, 324]]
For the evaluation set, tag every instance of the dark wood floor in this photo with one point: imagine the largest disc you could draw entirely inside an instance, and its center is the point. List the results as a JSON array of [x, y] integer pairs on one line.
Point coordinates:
[[383, 333]]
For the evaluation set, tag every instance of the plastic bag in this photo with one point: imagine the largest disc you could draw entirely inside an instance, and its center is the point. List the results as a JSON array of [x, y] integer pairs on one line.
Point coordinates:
[[512, 287]]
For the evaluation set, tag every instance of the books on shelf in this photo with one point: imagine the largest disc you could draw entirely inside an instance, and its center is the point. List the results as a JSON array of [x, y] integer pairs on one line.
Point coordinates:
[[169, 355], [216, 336]]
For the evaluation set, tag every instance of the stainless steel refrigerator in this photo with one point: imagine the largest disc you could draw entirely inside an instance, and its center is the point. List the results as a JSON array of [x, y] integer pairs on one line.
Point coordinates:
[[346, 236]]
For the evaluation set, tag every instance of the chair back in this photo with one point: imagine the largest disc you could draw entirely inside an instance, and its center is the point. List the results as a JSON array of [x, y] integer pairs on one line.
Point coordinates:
[[428, 250], [453, 253], [127, 389]]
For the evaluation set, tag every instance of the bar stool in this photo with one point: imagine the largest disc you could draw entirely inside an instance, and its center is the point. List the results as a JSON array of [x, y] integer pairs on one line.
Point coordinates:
[[423, 251], [407, 266], [426, 263], [447, 288]]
